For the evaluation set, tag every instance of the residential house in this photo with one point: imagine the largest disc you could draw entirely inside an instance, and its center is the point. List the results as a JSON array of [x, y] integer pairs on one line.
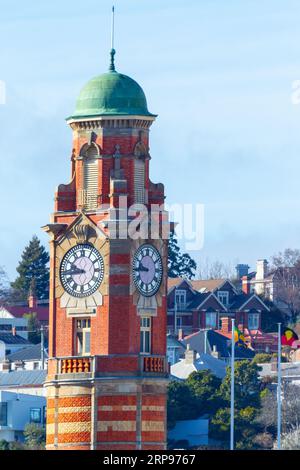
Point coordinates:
[[194, 362], [18, 310], [12, 342], [216, 344], [29, 358], [17, 410], [29, 382], [211, 304]]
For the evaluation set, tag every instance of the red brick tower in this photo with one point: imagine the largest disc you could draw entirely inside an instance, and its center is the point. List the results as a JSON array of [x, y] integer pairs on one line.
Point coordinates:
[[107, 375]]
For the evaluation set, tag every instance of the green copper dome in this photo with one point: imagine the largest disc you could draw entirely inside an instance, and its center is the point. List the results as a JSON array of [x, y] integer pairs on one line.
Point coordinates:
[[111, 93]]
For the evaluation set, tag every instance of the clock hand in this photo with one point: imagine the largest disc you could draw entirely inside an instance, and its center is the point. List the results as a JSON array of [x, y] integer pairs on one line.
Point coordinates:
[[142, 268], [74, 271]]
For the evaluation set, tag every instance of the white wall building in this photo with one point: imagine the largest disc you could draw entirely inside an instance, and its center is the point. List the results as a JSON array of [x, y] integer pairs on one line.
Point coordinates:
[[17, 410]]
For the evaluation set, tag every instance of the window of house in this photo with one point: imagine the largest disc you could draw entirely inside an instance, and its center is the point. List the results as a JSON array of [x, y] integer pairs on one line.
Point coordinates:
[[178, 322], [223, 297], [83, 337], [6, 327], [211, 320], [253, 321], [145, 335], [44, 414], [35, 415], [3, 414], [180, 298]]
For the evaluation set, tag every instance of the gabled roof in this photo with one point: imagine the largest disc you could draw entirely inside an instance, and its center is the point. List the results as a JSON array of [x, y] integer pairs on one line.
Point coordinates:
[[182, 370], [18, 311], [242, 300], [207, 285], [9, 338], [201, 299], [22, 378], [221, 343], [27, 354]]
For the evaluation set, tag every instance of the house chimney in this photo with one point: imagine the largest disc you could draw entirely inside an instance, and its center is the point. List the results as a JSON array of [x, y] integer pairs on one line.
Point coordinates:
[[6, 365], [226, 325], [215, 353], [261, 269], [245, 285], [180, 334], [32, 300], [14, 331], [190, 355], [241, 270]]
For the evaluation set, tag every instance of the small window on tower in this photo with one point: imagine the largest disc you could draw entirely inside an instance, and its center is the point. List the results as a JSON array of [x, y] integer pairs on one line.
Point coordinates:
[[139, 181], [83, 337], [145, 335], [89, 196]]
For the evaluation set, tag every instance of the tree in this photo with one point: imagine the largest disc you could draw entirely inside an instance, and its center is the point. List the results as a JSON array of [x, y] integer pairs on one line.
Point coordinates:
[[215, 270], [4, 287], [4, 445], [205, 385], [290, 440], [181, 403], [179, 264], [35, 436], [286, 265], [33, 267], [247, 386], [33, 326], [247, 405]]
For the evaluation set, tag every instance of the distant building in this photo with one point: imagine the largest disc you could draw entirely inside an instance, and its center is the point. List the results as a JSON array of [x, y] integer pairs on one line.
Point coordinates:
[[270, 283], [216, 344], [10, 324], [211, 304], [175, 349], [29, 382], [18, 310], [17, 410], [29, 358], [13, 342], [194, 362], [194, 432]]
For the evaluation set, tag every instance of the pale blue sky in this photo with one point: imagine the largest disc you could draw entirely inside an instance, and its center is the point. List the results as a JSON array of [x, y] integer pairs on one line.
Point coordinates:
[[218, 73]]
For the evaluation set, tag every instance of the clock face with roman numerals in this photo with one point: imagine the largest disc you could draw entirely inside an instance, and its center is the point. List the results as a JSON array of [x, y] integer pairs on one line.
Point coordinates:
[[147, 270], [82, 270]]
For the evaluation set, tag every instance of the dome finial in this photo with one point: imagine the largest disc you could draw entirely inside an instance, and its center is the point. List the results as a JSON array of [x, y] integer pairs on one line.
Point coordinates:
[[112, 51]]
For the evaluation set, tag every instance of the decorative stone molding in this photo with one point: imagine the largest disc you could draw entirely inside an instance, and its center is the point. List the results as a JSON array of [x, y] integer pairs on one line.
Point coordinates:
[[81, 232]]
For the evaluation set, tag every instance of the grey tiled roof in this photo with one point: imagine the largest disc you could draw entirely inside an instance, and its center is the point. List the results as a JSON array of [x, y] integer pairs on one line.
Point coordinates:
[[26, 354], [9, 338], [22, 377]]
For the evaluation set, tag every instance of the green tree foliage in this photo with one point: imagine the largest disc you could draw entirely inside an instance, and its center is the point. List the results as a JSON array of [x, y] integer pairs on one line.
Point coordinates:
[[246, 385], [35, 436], [33, 268], [4, 445], [182, 403], [179, 264], [33, 325], [204, 386]]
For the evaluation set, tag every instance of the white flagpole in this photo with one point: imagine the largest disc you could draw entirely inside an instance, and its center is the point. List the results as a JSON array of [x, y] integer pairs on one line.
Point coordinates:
[[232, 389], [279, 390]]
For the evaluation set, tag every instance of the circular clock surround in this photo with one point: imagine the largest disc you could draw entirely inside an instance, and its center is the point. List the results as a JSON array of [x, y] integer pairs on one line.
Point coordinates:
[[82, 270], [147, 270]]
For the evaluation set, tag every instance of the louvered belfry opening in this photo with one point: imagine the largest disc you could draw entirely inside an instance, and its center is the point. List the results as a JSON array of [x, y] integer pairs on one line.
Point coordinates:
[[90, 179], [139, 181]]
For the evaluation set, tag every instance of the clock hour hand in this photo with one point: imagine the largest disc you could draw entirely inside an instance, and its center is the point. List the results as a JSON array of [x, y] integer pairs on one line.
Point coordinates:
[[142, 268], [74, 270]]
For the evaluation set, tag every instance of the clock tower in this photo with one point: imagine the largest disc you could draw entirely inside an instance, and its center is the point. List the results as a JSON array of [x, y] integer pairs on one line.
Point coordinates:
[[107, 370]]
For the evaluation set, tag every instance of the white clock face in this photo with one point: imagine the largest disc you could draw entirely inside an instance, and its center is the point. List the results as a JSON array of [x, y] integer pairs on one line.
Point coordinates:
[[82, 270], [147, 270]]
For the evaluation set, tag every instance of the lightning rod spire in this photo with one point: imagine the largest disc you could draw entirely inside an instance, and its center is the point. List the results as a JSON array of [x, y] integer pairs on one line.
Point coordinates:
[[112, 51]]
